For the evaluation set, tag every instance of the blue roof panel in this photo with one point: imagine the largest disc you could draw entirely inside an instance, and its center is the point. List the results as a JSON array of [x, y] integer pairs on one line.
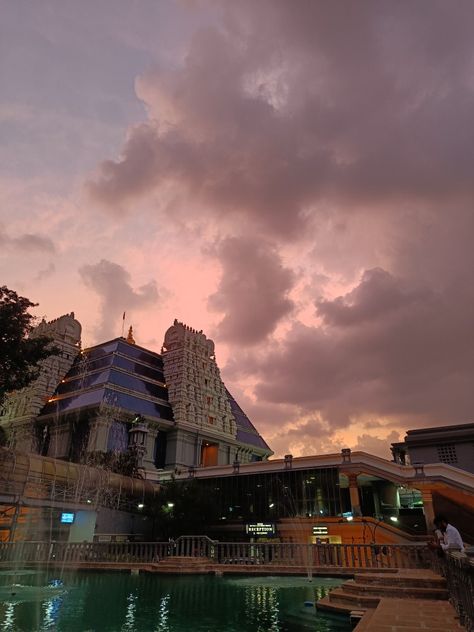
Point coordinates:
[[111, 397], [246, 431]]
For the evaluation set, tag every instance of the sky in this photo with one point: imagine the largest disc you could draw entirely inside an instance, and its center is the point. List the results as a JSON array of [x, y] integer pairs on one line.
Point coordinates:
[[293, 177]]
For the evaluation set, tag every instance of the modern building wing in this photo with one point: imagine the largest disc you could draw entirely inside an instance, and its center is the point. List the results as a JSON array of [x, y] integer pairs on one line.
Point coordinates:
[[453, 445]]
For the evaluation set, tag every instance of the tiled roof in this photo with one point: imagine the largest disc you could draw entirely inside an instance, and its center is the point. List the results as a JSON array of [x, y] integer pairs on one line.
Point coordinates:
[[116, 373], [246, 431]]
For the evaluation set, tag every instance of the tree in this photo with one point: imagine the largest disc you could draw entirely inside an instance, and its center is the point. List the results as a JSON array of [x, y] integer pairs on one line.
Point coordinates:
[[183, 508], [20, 353], [125, 463]]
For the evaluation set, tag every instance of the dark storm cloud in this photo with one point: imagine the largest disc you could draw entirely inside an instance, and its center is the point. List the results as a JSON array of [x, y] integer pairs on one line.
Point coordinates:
[[28, 242], [253, 291], [280, 110], [111, 282], [347, 126], [386, 349]]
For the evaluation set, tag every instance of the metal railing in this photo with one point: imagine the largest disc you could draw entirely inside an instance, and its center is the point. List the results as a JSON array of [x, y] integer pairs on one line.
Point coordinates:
[[458, 570], [298, 556]]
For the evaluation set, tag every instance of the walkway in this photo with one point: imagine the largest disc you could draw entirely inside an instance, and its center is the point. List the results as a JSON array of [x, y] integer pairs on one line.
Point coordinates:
[[410, 600], [410, 615]]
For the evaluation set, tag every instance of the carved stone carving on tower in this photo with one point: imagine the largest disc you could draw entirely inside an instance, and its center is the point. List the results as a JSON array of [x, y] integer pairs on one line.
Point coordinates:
[[21, 407], [196, 391]]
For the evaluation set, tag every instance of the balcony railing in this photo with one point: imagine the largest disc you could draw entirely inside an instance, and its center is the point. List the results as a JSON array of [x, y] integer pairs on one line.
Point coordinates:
[[300, 557], [458, 570]]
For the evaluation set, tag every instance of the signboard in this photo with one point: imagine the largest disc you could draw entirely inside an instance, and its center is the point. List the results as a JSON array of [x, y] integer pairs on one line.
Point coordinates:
[[67, 518], [320, 529], [260, 528]]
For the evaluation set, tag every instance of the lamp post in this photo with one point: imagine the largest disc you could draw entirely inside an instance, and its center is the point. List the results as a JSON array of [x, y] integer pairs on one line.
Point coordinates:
[[137, 438]]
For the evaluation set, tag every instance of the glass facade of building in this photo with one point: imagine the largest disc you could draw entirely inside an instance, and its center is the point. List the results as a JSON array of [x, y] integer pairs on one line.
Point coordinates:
[[272, 495]]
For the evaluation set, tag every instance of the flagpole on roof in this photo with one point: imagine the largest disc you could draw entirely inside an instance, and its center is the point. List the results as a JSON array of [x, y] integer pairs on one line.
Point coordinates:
[[123, 323]]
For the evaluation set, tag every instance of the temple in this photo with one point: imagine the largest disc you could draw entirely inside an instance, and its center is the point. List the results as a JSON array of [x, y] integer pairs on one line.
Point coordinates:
[[154, 417], [173, 408]]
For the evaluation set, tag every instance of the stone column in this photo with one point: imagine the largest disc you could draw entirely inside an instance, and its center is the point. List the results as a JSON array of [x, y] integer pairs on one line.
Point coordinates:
[[428, 509], [354, 494], [99, 432], [149, 458]]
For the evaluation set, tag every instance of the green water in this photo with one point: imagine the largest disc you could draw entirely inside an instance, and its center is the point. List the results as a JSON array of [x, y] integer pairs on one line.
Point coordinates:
[[117, 602]]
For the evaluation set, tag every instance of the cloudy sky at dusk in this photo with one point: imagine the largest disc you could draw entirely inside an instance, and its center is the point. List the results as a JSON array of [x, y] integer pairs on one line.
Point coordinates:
[[293, 177]]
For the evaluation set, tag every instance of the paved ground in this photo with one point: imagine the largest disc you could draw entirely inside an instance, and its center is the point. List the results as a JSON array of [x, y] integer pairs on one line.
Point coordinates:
[[410, 615]]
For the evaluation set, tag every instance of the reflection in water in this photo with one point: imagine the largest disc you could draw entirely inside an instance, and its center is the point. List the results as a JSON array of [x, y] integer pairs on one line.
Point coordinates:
[[118, 602], [164, 613], [51, 608], [130, 613], [261, 607], [9, 620]]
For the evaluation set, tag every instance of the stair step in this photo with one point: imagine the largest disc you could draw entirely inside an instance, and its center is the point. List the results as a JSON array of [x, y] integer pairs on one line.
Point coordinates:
[[329, 606], [185, 561], [397, 590], [400, 580], [339, 596]]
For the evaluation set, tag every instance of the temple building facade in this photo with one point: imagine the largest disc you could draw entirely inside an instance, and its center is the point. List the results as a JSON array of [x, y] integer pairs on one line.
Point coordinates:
[[172, 409], [22, 407], [145, 417]]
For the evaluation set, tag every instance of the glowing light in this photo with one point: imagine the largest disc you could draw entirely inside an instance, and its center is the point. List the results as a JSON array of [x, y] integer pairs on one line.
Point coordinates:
[[394, 518], [140, 505]]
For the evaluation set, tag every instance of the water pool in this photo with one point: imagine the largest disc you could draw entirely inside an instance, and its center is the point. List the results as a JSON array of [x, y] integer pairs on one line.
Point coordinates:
[[118, 602]]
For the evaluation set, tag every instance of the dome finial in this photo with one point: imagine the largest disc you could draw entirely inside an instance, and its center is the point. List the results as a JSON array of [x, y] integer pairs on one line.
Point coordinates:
[[130, 338]]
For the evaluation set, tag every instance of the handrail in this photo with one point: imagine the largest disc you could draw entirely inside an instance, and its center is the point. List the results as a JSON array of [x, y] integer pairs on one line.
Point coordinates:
[[279, 555], [458, 570]]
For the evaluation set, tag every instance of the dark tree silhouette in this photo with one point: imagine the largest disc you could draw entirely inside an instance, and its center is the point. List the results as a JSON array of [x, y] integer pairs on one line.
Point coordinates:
[[183, 508], [19, 352]]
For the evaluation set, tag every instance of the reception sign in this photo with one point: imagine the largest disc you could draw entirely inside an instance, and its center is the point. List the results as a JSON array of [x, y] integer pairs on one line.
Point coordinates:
[[260, 529]]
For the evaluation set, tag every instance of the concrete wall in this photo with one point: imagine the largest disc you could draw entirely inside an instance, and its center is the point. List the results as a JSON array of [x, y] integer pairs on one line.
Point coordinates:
[[429, 454], [114, 522], [83, 527]]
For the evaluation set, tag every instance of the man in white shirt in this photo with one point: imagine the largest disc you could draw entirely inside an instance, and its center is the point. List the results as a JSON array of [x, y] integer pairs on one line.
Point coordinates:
[[452, 540]]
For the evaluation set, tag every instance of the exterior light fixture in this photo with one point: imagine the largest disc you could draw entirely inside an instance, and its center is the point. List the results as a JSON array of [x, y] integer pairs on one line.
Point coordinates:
[[140, 505], [394, 518], [170, 505], [88, 501], [271, 505]]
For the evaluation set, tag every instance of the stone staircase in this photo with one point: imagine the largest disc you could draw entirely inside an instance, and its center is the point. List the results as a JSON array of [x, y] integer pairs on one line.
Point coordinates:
[[365, 591], [181, 565]]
